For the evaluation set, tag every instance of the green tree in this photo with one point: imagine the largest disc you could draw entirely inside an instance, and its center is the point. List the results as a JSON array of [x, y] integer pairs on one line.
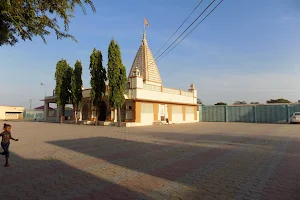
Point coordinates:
[[63, 78], [98, 79], [221, 104], [26, 19], [117, 78], [76, 84], [240, 103], [199, 101], [280, 100]]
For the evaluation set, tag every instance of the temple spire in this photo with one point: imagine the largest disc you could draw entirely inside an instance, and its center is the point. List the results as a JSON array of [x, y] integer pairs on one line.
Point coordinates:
[[145, 63], [144, 41], [144, 34]]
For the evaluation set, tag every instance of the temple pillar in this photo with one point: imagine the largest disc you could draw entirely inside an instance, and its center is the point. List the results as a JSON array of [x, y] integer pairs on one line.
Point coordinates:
[[58, 113], [80, 111], [114, 115], [46, 110]]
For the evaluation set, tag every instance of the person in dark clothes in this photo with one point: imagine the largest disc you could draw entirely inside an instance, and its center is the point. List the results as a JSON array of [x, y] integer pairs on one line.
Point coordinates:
[[5, 142]]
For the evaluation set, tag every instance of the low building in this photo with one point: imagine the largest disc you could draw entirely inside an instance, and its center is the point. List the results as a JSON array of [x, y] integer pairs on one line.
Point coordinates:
[[147, 100], [51, 111], [11, 112], [42, 108]]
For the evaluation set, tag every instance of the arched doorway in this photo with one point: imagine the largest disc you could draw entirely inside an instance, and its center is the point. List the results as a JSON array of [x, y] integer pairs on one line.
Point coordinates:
[[85, 112], [102, 111]]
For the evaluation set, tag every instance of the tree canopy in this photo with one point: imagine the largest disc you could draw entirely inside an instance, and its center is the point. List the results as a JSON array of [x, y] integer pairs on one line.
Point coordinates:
[[63, 78], [77, 84], [26, 19], [116, 76], [199, 101], [221, 104], [98, 77], [240, 103], [280, 100]]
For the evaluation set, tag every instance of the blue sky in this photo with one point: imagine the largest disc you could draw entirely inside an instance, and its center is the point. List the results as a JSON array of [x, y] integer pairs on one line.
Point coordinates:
[[245, 50]]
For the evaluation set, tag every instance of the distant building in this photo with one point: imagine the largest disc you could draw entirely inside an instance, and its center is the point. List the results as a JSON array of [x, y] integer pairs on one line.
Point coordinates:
[[11, 112], [51, 111], [42, 108]]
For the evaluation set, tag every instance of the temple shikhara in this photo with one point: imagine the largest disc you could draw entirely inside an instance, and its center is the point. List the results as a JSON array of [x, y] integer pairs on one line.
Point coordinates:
[[147, 101]]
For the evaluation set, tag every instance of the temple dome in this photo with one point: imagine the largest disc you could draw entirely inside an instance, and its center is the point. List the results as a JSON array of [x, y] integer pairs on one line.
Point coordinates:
[[145, 63]]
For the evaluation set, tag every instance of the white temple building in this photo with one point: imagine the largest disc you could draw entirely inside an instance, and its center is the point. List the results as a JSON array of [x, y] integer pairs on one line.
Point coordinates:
[[147, 100]]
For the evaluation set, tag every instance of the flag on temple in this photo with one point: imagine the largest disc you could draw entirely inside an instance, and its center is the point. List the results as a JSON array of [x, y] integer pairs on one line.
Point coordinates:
[[146, 22]]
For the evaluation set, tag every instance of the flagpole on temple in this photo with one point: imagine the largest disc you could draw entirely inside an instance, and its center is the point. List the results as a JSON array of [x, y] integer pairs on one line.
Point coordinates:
[[145, 25], [144, 32]]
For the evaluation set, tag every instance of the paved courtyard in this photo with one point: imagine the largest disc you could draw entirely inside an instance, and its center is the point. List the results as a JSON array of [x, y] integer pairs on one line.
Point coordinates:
[[220, 161]]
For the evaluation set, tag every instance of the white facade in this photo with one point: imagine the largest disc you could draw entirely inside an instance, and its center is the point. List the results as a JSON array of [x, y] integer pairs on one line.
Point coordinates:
[[177, 114], [159, 93], [11, 112], [147, 112], [151, 101], [189, 113]]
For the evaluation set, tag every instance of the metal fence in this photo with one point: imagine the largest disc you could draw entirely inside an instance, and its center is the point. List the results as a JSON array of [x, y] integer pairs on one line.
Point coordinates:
[[39, 114], [248, 113], [33, 114]]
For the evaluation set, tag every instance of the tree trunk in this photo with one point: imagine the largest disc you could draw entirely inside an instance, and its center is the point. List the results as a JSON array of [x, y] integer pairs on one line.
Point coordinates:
[[95, 117], [119, 117], [74, 113], [62, 113]]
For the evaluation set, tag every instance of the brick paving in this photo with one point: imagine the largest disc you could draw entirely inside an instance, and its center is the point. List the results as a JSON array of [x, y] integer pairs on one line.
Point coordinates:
[[220, 161]]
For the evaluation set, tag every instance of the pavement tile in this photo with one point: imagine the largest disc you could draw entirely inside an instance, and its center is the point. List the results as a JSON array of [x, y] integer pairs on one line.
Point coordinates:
[[207, 160]]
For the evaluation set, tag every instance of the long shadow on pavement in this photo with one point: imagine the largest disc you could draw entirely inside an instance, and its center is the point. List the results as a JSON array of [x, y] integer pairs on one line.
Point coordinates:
[[208, 168], [29, 179]]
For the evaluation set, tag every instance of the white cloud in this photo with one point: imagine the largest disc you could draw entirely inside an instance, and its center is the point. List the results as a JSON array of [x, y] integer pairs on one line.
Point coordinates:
[[286, 18]]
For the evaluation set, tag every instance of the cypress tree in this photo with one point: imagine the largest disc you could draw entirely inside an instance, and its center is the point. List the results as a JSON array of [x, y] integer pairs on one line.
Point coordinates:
[[77, 87], [117, 78], [98, 79], [63, 76]]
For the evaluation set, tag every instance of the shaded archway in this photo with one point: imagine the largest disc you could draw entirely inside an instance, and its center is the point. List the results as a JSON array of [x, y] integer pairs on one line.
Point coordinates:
[[85, 112], [102, 111]]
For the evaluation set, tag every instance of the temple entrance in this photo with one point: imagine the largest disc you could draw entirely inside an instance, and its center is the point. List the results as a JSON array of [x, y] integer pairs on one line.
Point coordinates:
[[85, 112], [123, 115], [102, 111]]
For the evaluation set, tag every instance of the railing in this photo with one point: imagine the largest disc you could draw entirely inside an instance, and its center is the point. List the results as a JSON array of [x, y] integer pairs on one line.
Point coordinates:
[[171, 91], [167, 90], [152, 87], [188, 94]]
